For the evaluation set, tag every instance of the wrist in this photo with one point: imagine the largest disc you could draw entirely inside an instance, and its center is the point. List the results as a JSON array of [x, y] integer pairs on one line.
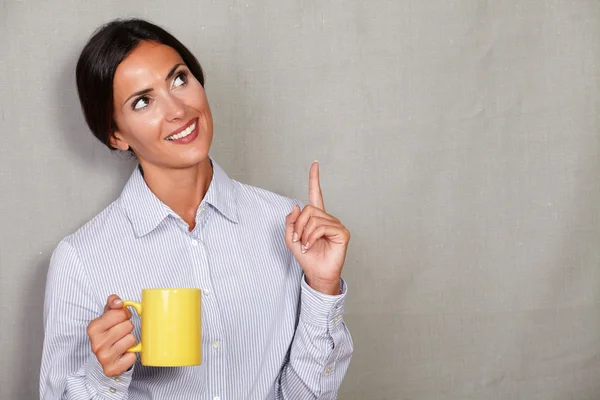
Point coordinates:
[[329, 287]]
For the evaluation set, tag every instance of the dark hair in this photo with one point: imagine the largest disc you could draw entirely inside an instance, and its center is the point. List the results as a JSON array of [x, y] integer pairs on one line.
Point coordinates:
[[101, 56]]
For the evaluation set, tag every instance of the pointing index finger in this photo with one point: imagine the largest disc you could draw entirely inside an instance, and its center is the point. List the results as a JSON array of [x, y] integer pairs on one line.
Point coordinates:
[[315, 196]]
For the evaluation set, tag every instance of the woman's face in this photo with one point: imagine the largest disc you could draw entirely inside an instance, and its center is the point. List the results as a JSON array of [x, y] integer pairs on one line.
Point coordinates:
[[160, 109]]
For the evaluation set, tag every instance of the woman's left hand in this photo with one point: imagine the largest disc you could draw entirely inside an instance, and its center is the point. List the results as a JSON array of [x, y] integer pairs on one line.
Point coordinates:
[[318, 240]]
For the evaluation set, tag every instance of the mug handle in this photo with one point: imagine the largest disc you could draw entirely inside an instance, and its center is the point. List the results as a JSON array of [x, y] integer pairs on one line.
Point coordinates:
[[138, 307]]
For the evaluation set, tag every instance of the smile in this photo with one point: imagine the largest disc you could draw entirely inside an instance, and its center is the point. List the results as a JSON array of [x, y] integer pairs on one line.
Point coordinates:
[[185, 132]]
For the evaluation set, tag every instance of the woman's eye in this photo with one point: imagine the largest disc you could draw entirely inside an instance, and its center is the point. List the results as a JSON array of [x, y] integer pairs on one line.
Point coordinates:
[[180, 79], [140, 103]]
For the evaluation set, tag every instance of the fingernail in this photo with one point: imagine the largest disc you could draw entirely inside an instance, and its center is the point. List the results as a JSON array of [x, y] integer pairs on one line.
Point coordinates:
[[117, 302], [316, 161], [303, 249], [295, 238]]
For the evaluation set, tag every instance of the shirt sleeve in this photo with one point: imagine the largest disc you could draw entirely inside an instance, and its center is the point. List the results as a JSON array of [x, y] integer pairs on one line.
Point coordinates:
[[321, 350], [69, 369]]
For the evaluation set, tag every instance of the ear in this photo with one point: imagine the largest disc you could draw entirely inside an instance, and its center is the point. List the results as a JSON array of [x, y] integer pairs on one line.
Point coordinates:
[[117, 141]]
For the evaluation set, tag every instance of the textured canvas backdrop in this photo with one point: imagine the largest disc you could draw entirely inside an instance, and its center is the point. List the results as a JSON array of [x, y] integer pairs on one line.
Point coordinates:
[[458, 141]]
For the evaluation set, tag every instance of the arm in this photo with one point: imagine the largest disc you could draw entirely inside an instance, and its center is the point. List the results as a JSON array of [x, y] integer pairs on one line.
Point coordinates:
[[321, 350], [322, 347], [69, 369]]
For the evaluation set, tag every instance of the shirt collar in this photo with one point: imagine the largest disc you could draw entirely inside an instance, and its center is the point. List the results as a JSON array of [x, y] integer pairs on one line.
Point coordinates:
[[222, 193], [145, 211]]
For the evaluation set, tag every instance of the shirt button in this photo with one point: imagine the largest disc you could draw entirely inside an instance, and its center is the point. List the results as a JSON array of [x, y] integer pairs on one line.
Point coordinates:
[[216, 344], [194, 242], [112, 390], [336, 319], [117, 379], [216, 398], [328, 371], [206, 292]]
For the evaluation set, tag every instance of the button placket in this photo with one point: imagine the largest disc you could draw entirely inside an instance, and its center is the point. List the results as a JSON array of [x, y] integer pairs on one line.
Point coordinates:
[[212, 323]]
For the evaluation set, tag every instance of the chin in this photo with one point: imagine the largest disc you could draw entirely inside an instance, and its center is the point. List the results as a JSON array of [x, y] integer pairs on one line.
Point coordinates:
[[193, 160]]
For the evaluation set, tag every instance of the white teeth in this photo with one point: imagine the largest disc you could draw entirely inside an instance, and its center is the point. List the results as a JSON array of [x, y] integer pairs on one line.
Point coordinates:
[[183, 133]]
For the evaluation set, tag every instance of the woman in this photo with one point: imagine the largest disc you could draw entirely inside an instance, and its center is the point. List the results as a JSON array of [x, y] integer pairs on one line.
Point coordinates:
[[270, 270]]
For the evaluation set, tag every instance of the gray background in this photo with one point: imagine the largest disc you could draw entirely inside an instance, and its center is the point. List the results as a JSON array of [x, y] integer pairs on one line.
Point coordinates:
[[458, 141]]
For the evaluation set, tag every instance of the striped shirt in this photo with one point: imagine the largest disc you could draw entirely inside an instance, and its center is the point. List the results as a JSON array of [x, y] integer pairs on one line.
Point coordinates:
[[266, 333]]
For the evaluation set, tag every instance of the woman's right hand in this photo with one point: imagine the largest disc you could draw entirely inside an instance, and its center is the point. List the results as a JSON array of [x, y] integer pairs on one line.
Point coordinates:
[[111, 337]]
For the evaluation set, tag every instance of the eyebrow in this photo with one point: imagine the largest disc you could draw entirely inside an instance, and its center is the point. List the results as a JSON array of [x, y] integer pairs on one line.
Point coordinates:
[[146, 91]]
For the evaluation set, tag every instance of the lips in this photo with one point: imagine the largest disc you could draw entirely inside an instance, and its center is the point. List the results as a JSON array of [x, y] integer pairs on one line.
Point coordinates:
[[183, 132]]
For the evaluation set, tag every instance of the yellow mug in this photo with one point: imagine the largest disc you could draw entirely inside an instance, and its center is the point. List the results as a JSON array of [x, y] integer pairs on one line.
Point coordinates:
[[171, 327]]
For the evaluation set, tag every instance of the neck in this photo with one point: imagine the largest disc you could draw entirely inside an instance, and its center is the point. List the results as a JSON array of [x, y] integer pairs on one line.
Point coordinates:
[[180, 189]]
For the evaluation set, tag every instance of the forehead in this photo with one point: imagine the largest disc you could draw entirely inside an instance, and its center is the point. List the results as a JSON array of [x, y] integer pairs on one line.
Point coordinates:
[[147, 63]]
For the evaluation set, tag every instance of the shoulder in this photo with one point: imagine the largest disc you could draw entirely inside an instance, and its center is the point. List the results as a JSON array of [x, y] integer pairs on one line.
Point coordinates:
[[69, 256], [98, 232], [256, 200]]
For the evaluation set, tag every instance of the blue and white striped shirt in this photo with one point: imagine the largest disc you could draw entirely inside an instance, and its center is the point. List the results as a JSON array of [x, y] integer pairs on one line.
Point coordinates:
[[266, 333]]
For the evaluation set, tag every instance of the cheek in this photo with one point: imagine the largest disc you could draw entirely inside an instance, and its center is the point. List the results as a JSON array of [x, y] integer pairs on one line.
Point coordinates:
[[143, 127], [148, 121], [196, 98], [151, 121]]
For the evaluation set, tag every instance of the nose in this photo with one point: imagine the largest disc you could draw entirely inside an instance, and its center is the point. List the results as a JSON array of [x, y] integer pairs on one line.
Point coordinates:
[[174, 108]]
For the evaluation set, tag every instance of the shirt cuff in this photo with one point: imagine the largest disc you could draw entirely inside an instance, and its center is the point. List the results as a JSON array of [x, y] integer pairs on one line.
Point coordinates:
[[321, 309], [113, 388]]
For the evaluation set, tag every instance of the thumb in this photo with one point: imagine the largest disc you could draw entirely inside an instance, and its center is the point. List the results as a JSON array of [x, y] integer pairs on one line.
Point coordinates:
[[290, 222], [113, 302]]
